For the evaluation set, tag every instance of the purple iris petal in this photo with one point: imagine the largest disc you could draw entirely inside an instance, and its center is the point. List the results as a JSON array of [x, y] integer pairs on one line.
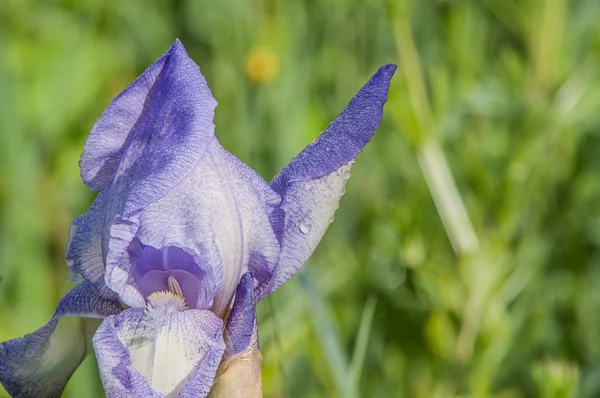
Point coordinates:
[[178, 218], [163, 350], [159, 129], [166, 181], [153, 267], [153, 134], [313, 183], [222, 213], [148, 139], [41, 363], [84, 247], [241, 331]]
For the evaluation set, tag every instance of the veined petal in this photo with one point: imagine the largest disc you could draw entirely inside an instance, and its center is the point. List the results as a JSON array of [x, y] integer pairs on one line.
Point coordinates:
[[169, 183], [313, 183], [84, 247], [168, 106], [147, 141], [40, 363], [239, 374], [163, 350], [241, 333], [221, 213]]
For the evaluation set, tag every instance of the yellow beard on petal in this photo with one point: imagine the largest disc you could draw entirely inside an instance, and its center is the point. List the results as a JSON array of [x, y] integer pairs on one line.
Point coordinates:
[[165, 302]]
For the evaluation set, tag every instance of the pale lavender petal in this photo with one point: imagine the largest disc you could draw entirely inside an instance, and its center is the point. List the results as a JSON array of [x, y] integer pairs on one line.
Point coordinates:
[[163, 146], [147, 141], [241, 331], [119, 377], [313, 183], [40, 363], [173, 185], [84, 247], [222, 213], [163, 350], [168, 106], [168, 138]]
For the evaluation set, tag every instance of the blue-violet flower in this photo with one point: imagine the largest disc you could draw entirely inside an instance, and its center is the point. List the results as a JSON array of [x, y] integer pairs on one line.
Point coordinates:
[[179, 224]]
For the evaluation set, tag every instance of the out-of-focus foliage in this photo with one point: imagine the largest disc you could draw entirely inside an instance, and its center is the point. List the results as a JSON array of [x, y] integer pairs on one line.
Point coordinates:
[[465, 258]]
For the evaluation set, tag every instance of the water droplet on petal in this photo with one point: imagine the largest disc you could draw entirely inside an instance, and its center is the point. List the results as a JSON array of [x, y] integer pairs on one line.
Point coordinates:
[[346, 174], [304, 227], [327, 149], [331, 218], [307, 186]]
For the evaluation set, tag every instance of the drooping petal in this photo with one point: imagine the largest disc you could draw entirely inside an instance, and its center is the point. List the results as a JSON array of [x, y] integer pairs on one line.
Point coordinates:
[[221, 212], [84, 247], [313, 183], [40, 363], [241, 331], [163, 350]]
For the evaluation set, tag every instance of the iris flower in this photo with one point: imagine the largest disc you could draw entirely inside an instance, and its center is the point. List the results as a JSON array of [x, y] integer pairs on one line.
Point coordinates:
[[181, 241]]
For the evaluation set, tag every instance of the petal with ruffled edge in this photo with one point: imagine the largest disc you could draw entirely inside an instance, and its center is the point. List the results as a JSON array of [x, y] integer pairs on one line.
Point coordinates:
[[146, 142], [148, 139], [164, 349], [162, 164], [84, 247], [313, 183], [168, 106], [222, 213], [41, 363]]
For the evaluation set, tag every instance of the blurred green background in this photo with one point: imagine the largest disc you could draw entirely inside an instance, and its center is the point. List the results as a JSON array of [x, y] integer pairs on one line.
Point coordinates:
[[465, 258]]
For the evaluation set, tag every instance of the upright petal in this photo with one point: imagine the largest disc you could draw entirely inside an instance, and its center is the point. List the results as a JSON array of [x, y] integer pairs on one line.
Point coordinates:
[[163, 146], [147, 141], [313, 183], [221, 212], [41, 363], [154, 132], [168, 182], [164, 350]]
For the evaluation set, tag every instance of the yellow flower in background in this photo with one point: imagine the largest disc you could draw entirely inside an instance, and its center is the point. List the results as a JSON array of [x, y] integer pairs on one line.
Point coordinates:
[[262, 64]]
